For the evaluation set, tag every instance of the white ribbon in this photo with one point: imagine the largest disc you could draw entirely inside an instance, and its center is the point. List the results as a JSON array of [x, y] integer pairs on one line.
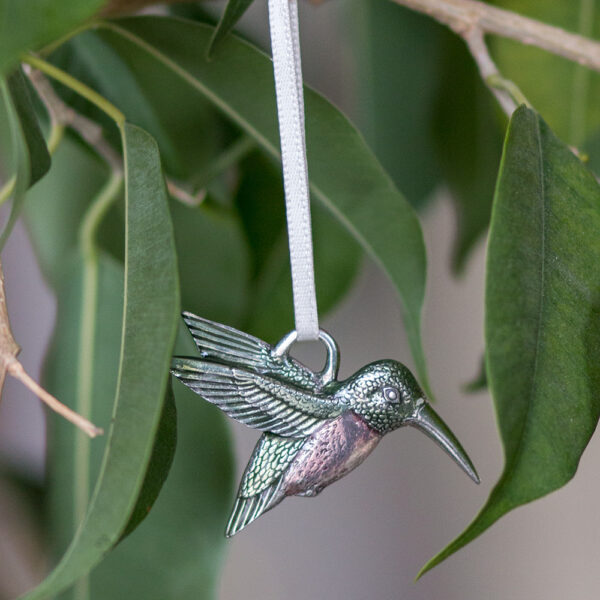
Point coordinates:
[[285, 44]]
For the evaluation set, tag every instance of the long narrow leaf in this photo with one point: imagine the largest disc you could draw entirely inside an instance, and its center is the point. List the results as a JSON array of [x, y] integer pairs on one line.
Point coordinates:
[[24, 142], [233, 12], [17, 147], [149, 327], [39, 157], [542, 325], [190, 514]]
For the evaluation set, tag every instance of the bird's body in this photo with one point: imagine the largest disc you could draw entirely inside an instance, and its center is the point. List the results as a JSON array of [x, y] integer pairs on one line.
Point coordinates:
[[332, 451], [317, 429]]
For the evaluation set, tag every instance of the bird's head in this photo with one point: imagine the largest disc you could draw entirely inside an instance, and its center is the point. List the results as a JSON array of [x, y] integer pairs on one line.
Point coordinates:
[[387, 396]]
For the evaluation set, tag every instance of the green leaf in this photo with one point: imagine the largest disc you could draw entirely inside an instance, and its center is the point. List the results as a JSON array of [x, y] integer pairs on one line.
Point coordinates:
[[258, 201], [233, 12], [153, 99], [398, 55], [30, 24], [565, 93], [479, 382], [336, 264], [182, 541], [469, 131], [22, 146], [345, 176], [190, 514], [54, 208], [81, 369], [542, 323], [15, 147], [160, 463], [39, 158], [213, 262], [149, 326]]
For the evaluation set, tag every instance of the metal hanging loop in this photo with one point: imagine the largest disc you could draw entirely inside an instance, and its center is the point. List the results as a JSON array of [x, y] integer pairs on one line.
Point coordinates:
[[329, 372]]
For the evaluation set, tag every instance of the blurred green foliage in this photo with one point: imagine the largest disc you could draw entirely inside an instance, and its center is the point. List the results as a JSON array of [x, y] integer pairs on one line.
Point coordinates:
[[219, 243]]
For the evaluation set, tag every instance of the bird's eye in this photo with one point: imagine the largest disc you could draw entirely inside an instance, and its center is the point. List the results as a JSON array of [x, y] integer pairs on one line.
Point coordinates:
[[391, 394]]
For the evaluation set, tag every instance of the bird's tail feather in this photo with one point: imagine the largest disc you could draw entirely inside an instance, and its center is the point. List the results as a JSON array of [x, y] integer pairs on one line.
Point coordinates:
[[246, 510]]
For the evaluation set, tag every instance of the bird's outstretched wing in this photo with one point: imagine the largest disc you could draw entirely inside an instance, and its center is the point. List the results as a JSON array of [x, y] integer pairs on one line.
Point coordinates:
[[256, 400], [260, 488], [224, 344]]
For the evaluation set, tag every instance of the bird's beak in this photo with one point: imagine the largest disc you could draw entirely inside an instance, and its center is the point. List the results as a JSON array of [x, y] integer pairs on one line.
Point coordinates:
[[428, 421]]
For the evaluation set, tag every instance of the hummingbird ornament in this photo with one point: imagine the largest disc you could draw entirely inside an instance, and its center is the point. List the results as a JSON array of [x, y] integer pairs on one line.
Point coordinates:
[[316, 428]]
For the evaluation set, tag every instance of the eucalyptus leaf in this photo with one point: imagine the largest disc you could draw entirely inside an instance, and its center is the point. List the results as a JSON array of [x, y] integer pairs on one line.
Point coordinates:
[[345, 175], [542, 324], [336, 266], [54, 208], [258, 201], [479, 382], [15, 147], [160, 463], [27, 25], [213, 262], [190, 514], [22, 146], [188, 130], [468, 143], [78, 361], [149, 326], [398, 55], [182, 542], [39, 158], [233, 12]]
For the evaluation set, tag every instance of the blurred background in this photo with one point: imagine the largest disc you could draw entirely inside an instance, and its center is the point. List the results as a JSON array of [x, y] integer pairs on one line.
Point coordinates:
[[367, 536]]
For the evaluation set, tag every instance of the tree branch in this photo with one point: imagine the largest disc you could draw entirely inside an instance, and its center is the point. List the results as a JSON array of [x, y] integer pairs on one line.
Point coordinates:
[[463, 16], [92, 134]]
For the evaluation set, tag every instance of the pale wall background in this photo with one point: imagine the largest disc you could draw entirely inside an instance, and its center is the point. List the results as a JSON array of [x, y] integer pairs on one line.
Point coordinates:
[[367, 536]]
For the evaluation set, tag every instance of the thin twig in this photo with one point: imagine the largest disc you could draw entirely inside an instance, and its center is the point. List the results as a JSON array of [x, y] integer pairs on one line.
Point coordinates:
[[15, 368], [8, 347], [184, 196], [465, 15], [9, 364], [487, 67], [92, 133]]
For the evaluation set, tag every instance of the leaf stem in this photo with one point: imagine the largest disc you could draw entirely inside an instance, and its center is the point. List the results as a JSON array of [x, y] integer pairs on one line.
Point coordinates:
[[52, 46], [91, 132], [497, 82], [56, 135], [488, 70], [7, 189], [77, 86], [95, 213], [87, 336]]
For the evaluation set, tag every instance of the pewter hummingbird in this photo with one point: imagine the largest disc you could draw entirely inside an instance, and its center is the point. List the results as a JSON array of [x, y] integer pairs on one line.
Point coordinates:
[[316, 428]]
